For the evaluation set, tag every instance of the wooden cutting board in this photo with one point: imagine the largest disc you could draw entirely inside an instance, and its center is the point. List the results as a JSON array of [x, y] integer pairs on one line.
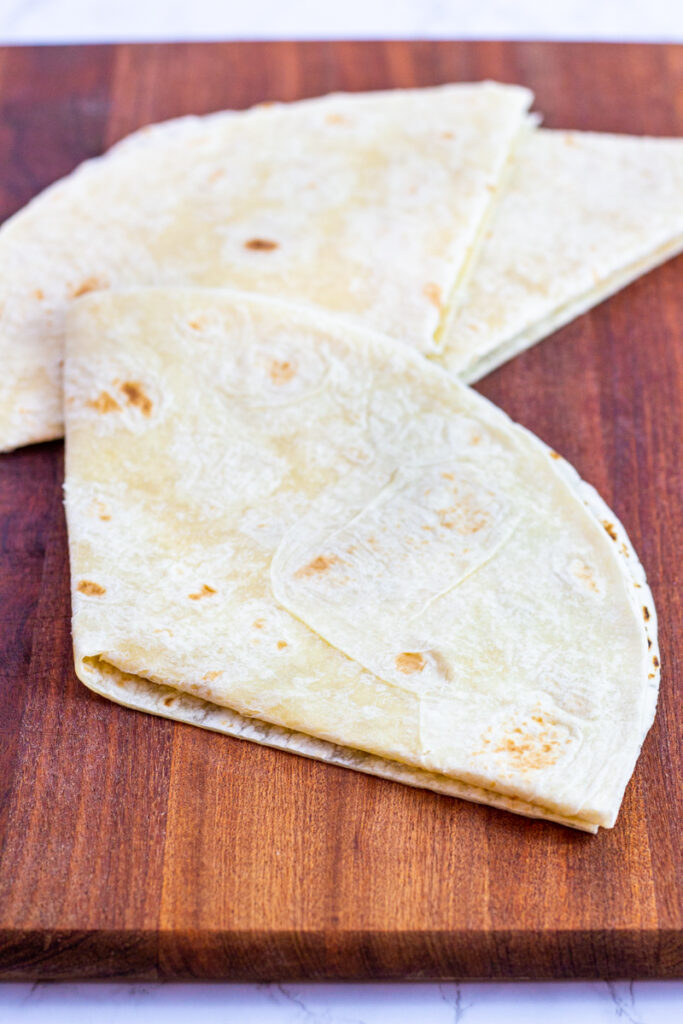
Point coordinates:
[[135, 847]]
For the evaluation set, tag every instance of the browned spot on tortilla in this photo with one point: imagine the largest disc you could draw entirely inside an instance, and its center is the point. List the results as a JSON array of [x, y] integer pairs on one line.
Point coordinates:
[[218, 173], [584, 573], [649, 643], [432, 293], [609, 528], [447, 135], [646, 612], [168, 701], [555, 455], [39, 294], [655, 661], [651, 675], [318, 565], [260, 245], [336, 119], [463, 519], [410, 662], [259, 623], [197, 325], [91, 284], [448, 476], [104, 403], [204, 592], [281, 644], [101, 509], [281, 371], [208, 676], [526, 750], [136, 396], [91, 589]]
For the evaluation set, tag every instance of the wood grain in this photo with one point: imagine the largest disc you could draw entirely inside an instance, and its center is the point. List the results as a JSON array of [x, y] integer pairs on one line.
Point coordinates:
[[135, 847]]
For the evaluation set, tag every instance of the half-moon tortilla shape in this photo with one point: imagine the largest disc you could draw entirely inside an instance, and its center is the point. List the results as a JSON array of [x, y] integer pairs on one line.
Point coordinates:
[[293, 530], [583, 214], [366, 205]]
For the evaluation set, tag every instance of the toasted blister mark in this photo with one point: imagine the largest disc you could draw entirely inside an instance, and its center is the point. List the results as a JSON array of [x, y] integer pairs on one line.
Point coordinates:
[[99, 509], [286, 369], [584, 574], [432, 293], [646, 612], [529, 744], [336, 119], [209, 676], [39, 294], [261, 244], [206, 591], [555, 455], [281, 644], [136, 396], [104, 403], [281, 371], [91, 589], [609, 529], [463, 517], [90, 284], [317, 566], [410, 661]]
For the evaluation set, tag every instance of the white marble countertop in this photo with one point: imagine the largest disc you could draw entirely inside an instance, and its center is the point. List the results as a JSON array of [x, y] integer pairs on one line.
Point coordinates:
[[46, 21], [29, 21], [644, 1002]]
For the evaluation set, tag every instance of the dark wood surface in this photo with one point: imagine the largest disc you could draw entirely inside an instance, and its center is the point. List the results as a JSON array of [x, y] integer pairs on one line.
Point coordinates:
[[135, 847]]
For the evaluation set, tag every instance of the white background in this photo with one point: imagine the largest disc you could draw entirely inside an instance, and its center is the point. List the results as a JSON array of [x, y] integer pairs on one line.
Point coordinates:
[[44, 21]]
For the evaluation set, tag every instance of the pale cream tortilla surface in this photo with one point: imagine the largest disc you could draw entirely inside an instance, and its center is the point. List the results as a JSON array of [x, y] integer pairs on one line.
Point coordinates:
[[296, 531], [582, 215], [365, 205]]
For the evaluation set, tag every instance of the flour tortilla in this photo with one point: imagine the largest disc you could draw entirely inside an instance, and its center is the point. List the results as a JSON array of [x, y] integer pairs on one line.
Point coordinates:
[[366, 205], [583, 215], [296, 531]]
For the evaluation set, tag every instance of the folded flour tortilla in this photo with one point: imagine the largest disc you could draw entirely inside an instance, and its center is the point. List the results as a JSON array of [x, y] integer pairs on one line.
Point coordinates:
[[293, 530], [583, 214], [366, 205]]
